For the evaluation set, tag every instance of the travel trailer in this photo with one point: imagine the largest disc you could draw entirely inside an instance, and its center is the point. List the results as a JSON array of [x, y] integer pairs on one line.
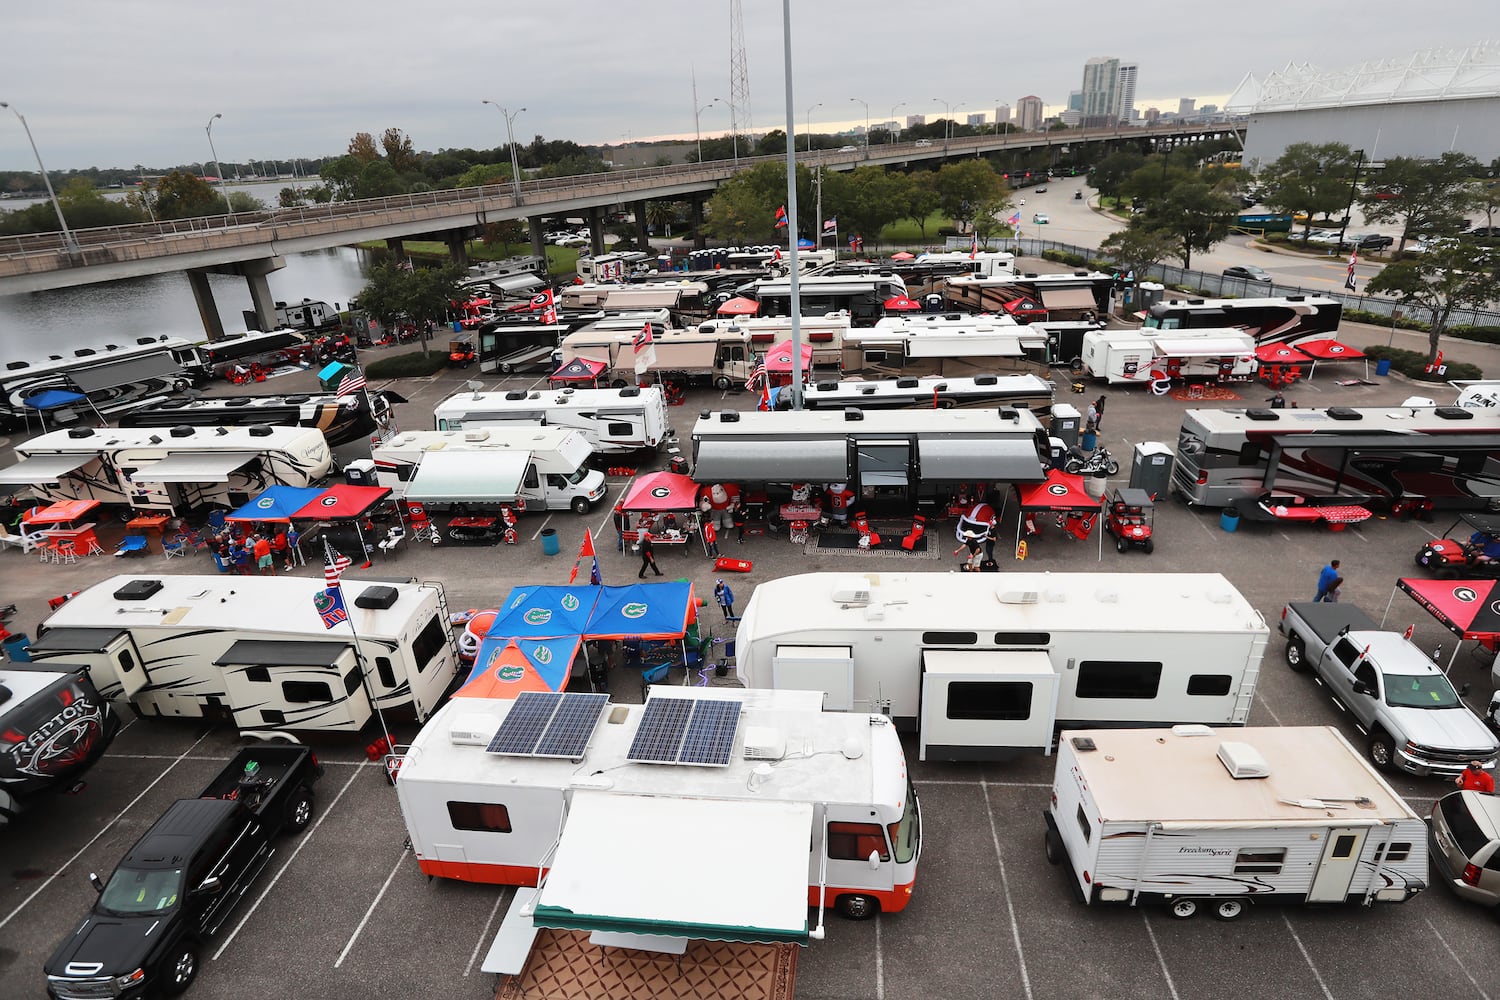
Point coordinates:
[[529, 468], [679, 298], [720, 357], [54, 725], [309, 314], [986, 263], [613, 420], [174, 469], [950, 345], [1269, 321], [834, 816], [111, 378], [1080, 295], [257, 650], [613, 266], [934, 393], [1125, 356], [342, 419], [1190, 818], [982, 667], [240, 350]]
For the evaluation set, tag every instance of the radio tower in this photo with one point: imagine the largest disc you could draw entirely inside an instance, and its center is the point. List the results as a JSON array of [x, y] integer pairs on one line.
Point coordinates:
[[739, 76]]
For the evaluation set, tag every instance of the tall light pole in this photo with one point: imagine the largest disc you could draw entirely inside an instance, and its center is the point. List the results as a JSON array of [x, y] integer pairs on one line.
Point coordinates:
[[515, 167], [67, 234], [867, 122], [145, 192], [794, 271], [1353, 189], [698, 130], [809, 124], [947, 113], [893, 118], [223, 188]]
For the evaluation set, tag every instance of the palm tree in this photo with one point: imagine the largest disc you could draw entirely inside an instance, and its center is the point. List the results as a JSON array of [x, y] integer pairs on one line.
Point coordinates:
[[660, 215]]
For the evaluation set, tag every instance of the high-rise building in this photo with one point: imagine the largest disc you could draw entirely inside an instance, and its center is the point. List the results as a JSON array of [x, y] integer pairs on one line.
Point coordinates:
[[1029, 113], [1002, 114], [1075, 101], [1153, 115], [975, 121], [916, 121], [1101, 92], [1185, 107], [1126, 91]]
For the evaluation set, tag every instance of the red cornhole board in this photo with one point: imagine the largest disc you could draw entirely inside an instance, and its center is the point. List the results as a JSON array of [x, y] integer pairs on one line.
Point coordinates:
[[724, 564]]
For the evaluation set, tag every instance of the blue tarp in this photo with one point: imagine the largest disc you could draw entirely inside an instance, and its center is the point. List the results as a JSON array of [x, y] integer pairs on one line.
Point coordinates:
[[278, 503], [53, 399], [804, 244], [542, 612], [496, 676]]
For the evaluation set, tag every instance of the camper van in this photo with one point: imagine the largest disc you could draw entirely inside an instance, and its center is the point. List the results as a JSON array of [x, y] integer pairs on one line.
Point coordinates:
[[825, 797], [721, 357], [934, 393], [1124, 356], [342, 419], [172, 470], [309, 314], [531, 468], [825, 334], [111, 378], [257, 650], [950, 345], [613, 420], [1191, 818], [54, 725], [983, 667]]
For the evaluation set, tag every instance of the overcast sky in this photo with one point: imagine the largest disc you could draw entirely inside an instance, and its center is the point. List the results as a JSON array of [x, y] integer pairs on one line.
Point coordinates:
[[136, 82]]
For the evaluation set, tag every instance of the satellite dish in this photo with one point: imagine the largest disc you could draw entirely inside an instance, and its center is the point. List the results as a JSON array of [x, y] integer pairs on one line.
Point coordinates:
[[474, 386]]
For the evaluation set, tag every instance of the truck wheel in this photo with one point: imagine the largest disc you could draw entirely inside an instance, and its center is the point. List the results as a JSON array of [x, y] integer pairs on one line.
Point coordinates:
[[1183, 908], [1229, 909], [1052, 845], [722, 382], [857, 907], [179, 970], [299, 812], [1382, 751], [580, 505], [1296, 654]]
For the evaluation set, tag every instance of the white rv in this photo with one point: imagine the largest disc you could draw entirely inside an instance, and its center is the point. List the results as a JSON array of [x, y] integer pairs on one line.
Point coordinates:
[[1122, 356], [825, 334], [613, 420], [952, 345], [170, 469], [532, 468], [114, 378], [613, 266], [863, 297], [677, 297], [1478, 394], [983, 666], [824, 798], [986, 263], [255, 649], [935, 393], [1079, 295], [1191, 818], [721, 357]]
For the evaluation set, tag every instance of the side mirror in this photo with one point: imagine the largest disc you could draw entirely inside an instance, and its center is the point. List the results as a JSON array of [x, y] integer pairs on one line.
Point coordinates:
[[210, 885], [873, 860], [96, 882]]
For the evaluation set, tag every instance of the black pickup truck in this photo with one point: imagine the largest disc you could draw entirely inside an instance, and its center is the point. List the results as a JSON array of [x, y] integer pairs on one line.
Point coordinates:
[[178, 885]]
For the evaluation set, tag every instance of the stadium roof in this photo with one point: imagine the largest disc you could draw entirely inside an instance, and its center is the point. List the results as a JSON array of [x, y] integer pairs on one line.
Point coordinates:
[[1430, 75]]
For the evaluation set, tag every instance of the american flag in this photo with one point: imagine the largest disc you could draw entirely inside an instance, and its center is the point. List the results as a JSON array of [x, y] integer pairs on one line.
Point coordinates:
[[831, 225], [351, 383], [334, 566], [1015, 218], [759, 373]]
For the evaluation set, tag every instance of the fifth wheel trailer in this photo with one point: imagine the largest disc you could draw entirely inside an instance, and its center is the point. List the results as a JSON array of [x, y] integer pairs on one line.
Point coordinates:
[[983, 666], [613, 420]]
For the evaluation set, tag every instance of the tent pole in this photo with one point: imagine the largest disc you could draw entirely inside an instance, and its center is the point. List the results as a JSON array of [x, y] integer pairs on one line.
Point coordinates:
[[1388, 606]]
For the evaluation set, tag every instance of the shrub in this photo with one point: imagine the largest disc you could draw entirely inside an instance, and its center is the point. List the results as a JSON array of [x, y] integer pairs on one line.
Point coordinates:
[[1063, 257], [943, 232], [408, 365], [1412, 364], [1380, 319], [1482, 334]]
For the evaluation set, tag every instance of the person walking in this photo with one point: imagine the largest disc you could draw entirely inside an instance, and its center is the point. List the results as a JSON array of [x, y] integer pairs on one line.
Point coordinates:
[[725, 597], [648, 556], [738, 516], [1332, 597], [1091, 418], [710, 538], [622, 525], [1098, 412], [1329, 574], [1278, 401], [1475, 778]]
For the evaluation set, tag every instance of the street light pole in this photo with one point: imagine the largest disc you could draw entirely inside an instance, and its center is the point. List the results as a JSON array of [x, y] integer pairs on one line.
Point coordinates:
[[867, 123], [699, 130], [223, 187], [510, 139], [1353, 186], [893, 118], [67, 234], [809, 124], [947, 111]]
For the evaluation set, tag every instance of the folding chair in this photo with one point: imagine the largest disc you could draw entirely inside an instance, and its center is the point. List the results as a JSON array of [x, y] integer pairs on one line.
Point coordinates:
[[174, 547], [132, 545]]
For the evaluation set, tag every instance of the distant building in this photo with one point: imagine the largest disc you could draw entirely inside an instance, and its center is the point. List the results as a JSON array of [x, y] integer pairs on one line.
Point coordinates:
[[1002, 114], [1070, 118], [1075, 101], [975, 121], [916, 121], [1153, 115], [1186, 107], [1101, 92], [1029, 113], [1126, 90], [891, 126]]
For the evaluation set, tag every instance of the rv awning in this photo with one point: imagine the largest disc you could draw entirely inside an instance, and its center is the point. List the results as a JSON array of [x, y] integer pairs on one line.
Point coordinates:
[[82, 639], [965, 460], [44, 468], [126, 370], [460, 477], [276, 653], [515, 284], [1204, 347], [772, 461], [197, 467], [1068, 298], [643, 298], [689, 357], [979, 344], [701, 895]]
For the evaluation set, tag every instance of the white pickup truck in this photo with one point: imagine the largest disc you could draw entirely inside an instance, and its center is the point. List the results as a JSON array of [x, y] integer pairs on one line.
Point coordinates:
[[1401, 701]]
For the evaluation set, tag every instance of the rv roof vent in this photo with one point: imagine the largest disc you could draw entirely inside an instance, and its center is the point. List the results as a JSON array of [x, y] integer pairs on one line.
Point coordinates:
[[1019, 596], [867, 390], [986, 379], [851, 590], [1453, 413], [854, 414], [906, 383], [827, 386], [516, 394], [627, 392], [1344, 413], [471, 730], [1192, 729], [1084, 744], [535, 394], [729, 417], [764, 743], [1195, 302], [1242, 760], [1009, 413], [13, 365], [377, 598], [479, 434], [260, 430], [1254, 414], [940, 387], [80, 432], [296, 399], [84, 352], [145, 340], [239, 401], [568, 390], [1296, 298], [138, 590]]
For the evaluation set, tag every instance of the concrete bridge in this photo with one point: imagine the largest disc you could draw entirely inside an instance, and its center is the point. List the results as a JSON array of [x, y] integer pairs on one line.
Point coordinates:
[[253, 244]]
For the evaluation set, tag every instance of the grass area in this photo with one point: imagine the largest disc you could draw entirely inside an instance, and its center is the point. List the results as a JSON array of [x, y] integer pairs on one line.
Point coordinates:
[[906, 233], [560, 260], [409, 365]]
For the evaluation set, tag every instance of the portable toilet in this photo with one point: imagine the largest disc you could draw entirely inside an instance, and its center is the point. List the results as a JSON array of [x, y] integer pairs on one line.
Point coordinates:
[[1149, 293], [1151, 468], [1065, 423], [332, 374]]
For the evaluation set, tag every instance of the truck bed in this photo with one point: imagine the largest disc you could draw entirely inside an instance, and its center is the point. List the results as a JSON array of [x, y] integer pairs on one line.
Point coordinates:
[[275, 764], [1327, 620]]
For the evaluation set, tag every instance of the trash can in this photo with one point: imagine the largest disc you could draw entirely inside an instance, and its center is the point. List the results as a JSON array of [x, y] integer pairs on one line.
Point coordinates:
[[1151, 468], [678, 466], [1229, 520], [1088, 440], [1097, 484], [1383, 366], [15, 648], [1065, 423], [550, 544]]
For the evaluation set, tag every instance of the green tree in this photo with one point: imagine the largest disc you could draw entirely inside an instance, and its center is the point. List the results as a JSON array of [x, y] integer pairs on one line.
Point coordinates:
[[744, 208], [963, 186], [573, 166], [773, 143], [660, 214], [362, 148], [85, 207], [1137, 249], [377, 180], [865, 200], [1309, 178], [1194, 215], [182, 195], [420, 296], [291, 197], [484, 173], [1109, 173], [990, 221], [1453, 275], [399, 152], [341, 177], [1427, 197], [1158, 175], [919, 199]]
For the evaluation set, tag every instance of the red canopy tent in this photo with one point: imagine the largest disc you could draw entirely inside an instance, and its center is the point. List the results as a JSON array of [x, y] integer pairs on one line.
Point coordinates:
[[901, 303], [1470, 609], [1062, 492], [346, 503], [662, 491], [61, 512], [779, 357], [903, 255], [1328, 349], [1280, 354], [1025, 309], [739, 306], [579, 370]]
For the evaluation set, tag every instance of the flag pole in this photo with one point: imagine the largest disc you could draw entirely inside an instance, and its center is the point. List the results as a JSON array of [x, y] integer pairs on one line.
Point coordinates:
[[359, 656]]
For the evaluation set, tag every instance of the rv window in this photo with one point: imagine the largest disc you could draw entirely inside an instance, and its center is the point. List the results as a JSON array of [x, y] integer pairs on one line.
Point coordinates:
[[260, 675], [1398, 852], [486, 817], [273, 717], [351, 682], [1343, 845], [1472, 462], [127, 662], [619, 429], [1083, 824], [404, 472], [530, 479], [1250, 453], [1212, 685], [306, 692], [1001, 700], [1259, 862], [1023, 638], [874, 357], [949, 638], [855, 841], [428, 643], [1118, 679], [386, 671]]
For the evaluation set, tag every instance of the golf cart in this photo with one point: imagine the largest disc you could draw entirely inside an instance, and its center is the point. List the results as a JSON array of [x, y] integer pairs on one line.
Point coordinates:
[[461, 352], [1465, 553], [1128, 516]]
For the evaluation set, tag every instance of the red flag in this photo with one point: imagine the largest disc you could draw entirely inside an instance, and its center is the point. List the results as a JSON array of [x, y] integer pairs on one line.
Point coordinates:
[[586, 550], [781, 220]]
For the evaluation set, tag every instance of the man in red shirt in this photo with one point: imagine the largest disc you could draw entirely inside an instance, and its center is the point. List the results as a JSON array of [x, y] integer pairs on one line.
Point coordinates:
[[1475, 779]]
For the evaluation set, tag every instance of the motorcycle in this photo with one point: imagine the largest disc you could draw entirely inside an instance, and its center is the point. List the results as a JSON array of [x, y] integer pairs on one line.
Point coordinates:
[[1082, 463]]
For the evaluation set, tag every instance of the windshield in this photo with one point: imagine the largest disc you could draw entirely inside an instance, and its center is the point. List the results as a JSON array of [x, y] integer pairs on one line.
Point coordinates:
[[906, 834], [1423, 691], [134, 890], [577, 475]]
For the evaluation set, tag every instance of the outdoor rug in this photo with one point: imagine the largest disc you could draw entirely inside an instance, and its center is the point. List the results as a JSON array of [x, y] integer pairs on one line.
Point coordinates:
[[846, 543], [1197, 391]]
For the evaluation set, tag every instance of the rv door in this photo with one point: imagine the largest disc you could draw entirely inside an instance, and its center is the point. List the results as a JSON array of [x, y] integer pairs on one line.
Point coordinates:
[[1340, 861], [976, 703], [125, 660]]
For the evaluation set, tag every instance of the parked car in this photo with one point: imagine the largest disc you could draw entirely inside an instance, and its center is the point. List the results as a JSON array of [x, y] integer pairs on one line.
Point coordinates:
[[1367, 241], [1484, 233], [570, 240], [1040, 218], [1324, 236], [923, 143], [848, 149], [1248, 272], [1042, 189], [1464, 844]]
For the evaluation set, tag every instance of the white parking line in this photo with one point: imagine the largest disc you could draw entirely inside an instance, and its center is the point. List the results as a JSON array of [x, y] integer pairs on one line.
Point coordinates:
[[1160, 959], [373, 903], [541, 527], [102, 830], [1306, 957], [484, 935], [987, 784], [1456, 960], [1015, 928], [879, 965], [290, 858]]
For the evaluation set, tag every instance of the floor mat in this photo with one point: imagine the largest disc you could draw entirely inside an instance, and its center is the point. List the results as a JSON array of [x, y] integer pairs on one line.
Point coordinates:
[[846, 543], [563, 965], [1197, 391]]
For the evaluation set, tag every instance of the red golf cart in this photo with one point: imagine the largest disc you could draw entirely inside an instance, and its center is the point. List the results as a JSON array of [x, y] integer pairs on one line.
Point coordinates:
[[1475, 552], [1128, 516]]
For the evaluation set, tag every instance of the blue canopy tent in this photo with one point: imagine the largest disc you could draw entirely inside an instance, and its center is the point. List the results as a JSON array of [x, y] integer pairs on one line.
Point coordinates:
[[543, 612], [47, 400], [496, 675], [805, 244], [277, 503], [643, 611]]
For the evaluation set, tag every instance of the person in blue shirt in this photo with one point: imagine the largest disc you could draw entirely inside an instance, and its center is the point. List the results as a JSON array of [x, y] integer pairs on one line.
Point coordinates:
[[1325, 580], [1484, 547], [725, 597]]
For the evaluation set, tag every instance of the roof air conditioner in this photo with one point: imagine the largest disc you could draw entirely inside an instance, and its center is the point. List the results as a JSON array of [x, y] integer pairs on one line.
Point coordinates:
[[471, 731], [477, 435], [1242, 760], [852, 590], [764, 743]]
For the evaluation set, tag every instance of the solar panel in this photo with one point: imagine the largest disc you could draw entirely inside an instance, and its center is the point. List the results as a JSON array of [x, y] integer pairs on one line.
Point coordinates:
[[524, 724], [549, 724], [686, 731], [572, 727], [660, 732], [710, 733]]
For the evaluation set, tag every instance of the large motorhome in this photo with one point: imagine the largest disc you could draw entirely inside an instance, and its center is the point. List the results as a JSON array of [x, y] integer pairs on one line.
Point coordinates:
[[613, 420], [54, 725], [1269, 321], [1080, 295], [1445, 458], [721, 357], [309, 314], [891, 458], [983, 666], [1192, 818], [172, 470], [257, 649], [835, 819], [936, 393], [825, 334], [342, 419], [613, 266], [113, 378], [520, 342], [679, 298], [530, 468], [241, 350], [1142, 356], [862, 297], [951, 345]]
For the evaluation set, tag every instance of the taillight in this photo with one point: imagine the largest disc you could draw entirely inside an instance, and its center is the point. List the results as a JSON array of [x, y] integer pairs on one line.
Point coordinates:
[[1283, 613], [1471, 874]]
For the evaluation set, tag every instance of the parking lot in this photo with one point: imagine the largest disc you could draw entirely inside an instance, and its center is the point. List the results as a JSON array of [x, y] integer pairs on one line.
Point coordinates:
[[344, 912]]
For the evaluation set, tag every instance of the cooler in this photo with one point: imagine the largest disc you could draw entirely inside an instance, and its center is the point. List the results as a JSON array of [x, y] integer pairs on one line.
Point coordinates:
[[1151, 468], [332, 374], [361, 472]]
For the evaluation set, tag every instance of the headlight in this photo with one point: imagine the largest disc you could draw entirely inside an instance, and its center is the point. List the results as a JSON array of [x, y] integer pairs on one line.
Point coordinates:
[[122, 983]]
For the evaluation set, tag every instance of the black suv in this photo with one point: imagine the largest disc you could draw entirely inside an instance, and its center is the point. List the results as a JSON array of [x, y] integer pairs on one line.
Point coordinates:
[[1369, 241]]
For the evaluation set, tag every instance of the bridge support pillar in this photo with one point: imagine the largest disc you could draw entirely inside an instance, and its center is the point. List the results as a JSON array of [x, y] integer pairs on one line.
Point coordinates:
[[397, 249], [203, 295], [596, 230], [695, 209], [260, 292], [458, 247], [538, 242], [642, 228]]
